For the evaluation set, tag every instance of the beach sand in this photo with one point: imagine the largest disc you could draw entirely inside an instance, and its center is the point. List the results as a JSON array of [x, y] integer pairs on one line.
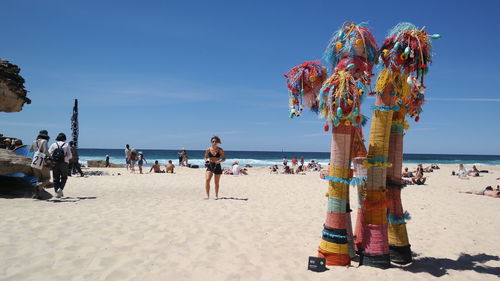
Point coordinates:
[[158, 227]]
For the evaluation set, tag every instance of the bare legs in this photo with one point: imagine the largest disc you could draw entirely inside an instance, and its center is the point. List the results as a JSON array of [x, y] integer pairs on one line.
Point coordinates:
[[217, 180], [208, 178]]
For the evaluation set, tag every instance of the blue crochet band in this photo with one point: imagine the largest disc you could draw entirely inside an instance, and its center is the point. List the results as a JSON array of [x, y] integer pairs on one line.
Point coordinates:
[[357, 181], [330, 178], [333, 235], [386, 108], [399, 220], [378, 159]]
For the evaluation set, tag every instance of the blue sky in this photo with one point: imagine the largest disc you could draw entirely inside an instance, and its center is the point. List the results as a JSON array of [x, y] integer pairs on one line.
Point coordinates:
[[170, 74]]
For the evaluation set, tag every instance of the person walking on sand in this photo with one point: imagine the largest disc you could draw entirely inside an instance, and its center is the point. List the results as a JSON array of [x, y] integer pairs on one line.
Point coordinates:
[[133, 159], [214, 155], [61, 154], [127, 156], [42, 175], [294, 162], [141, 161], [74, 162], [107, 160], [302, 161], [181, 154]]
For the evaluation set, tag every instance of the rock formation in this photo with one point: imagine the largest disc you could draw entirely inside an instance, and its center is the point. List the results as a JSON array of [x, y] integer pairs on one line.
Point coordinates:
[[12, 91]]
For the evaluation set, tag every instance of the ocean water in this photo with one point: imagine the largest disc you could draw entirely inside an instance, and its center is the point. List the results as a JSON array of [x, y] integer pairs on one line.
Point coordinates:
[[268, 158]]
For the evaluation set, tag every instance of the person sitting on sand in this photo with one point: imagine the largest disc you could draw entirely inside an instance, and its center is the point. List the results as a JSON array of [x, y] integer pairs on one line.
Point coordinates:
[[236, 169], [419, 178], [428, 169], [487, 191], [300, 170], [407, 174], [461, 172], [288, 170], [474, 172], [156, 168], [169, 168], [274, 169], [435, 166]]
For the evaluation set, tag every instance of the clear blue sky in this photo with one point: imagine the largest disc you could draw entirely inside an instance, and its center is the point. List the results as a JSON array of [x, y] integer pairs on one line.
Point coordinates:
[[170, 74]]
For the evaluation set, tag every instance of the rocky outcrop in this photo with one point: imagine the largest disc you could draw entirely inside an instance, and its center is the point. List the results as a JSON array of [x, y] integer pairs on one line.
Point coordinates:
[[12, 91], [102, 164], [10, 163]]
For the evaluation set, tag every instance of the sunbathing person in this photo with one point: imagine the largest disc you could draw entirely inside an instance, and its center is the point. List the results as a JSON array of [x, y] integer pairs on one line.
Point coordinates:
[[274, 169], [435, 167], [461, 172], [419, 178], [474, 172], [156, 168], [487, 191], [169, 168], [407, 174], [288, 170]]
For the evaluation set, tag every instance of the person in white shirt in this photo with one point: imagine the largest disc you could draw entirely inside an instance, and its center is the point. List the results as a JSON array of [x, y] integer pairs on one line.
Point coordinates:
[[60, 170], [236, 168], [42, 175]]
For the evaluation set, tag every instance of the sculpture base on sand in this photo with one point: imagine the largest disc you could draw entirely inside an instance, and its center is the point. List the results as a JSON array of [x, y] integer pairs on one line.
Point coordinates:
[[400, 254], [378, 261]]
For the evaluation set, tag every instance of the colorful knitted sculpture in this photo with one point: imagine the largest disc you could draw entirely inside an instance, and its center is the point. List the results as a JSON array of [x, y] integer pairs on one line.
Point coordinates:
[[351, 53], [406, 54], [304, 82]]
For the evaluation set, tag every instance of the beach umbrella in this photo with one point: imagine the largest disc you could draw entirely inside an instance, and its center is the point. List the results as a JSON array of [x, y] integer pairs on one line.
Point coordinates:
[[74, 123]]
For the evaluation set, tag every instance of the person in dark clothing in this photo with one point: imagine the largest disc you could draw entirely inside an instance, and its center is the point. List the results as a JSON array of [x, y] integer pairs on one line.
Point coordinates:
[[60, 170], [107, 161], [74, 164]]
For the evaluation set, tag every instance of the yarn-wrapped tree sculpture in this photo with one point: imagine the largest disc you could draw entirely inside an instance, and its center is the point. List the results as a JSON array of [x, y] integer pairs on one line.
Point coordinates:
[[351, 54], [304, 82], [406, 54]]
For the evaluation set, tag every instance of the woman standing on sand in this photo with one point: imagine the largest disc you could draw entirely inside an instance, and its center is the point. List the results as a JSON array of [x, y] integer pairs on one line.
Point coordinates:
[[214, 155]]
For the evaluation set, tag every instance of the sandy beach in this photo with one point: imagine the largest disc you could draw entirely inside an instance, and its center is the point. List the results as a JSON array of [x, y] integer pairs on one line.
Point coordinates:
[[158, 227]]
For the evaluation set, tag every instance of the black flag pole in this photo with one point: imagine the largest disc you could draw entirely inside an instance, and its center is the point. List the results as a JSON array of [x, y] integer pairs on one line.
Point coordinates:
[[74, 123]]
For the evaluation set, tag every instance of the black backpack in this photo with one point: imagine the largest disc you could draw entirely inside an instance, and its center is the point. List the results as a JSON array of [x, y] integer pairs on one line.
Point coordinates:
[[58, 153]]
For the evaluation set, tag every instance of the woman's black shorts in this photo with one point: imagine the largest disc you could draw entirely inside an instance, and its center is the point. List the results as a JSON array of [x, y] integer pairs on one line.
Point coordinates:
[[214, 168]]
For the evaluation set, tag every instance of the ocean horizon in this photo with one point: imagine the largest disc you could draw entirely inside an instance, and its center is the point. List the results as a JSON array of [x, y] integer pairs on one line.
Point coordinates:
[[269, 158]]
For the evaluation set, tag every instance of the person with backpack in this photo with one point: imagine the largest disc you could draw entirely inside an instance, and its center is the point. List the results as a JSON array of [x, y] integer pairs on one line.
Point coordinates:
[[60, 153], [40, 170]]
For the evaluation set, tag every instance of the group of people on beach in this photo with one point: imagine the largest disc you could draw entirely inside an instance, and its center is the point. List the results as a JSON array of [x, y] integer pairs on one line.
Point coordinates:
[[60, 157], [297, 167]]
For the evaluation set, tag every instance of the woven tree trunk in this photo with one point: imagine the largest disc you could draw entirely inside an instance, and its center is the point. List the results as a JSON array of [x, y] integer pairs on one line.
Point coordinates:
[[376, 248], [399, 245], [360, 173], [336, 245]]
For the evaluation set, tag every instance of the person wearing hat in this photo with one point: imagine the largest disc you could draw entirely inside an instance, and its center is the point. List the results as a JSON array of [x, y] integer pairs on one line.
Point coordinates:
[[60, 170], [42, 175], [7, 143]]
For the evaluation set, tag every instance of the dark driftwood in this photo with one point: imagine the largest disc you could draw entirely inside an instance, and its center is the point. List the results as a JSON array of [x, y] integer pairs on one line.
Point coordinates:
[[11, 163], [12, 91]]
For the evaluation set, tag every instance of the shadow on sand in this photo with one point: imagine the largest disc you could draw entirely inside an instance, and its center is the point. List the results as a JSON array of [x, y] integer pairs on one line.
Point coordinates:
[[439, 266], [69, 199], [232, 198]]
